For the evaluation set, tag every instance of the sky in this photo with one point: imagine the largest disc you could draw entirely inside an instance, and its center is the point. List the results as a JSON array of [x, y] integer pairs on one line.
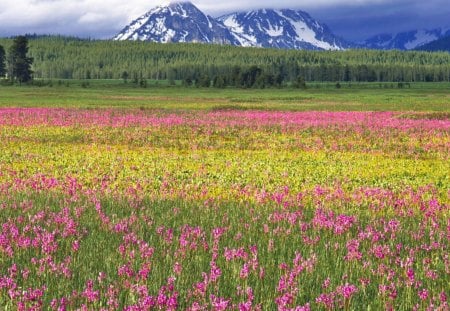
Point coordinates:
[[351, 19]]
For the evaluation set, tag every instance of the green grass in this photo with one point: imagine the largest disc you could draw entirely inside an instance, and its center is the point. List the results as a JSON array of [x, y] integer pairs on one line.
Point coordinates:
[[159, 95], [119, 192], [243, 220]]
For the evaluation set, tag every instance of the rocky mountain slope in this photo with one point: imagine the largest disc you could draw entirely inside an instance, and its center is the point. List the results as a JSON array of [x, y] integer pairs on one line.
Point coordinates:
[[405, 40], [177, 22], [184, 22]]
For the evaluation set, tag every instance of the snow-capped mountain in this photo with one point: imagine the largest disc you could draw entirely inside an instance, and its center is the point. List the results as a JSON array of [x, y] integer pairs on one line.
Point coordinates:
[[177, 22], [183, 22], [442, 44], [286, 29], [405, 40]]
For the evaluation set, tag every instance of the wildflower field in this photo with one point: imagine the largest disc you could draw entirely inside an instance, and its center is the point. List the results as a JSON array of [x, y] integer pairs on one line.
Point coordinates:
[[137, 208]]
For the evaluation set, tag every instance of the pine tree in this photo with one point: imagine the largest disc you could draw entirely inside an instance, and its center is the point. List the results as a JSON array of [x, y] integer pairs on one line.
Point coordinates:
[[19, 62], [2, 62]]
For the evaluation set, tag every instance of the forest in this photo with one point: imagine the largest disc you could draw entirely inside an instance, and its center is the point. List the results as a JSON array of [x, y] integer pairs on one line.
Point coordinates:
[[56, 57]]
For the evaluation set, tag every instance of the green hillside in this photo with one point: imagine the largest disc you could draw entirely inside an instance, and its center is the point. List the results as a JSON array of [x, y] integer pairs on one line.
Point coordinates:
[[71, 58]]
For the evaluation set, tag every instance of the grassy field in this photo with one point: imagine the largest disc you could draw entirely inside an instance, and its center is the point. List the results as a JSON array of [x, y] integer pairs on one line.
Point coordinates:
[[323, 97], [169, 198]]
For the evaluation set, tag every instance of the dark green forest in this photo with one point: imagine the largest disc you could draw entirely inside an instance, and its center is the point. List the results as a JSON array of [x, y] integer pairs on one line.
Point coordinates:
[[220, 66]]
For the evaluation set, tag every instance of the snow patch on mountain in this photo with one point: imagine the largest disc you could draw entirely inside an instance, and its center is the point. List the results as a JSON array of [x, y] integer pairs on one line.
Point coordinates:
[[177, 22], [289, 29], [408, 40], [275, 31], [305, 33], [183, 22], [421, 37]]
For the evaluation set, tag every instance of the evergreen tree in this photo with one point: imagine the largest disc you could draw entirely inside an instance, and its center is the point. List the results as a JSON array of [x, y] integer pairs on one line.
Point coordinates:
[[2, 62], [203, 81], [19, 62], [299, 83], [187, 81], [125, 76], [219, 82]]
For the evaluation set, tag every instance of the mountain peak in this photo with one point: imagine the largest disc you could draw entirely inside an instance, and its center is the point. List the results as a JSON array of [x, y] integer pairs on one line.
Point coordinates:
[[176, 5], [171, 3], [182, 21], [176, 22]]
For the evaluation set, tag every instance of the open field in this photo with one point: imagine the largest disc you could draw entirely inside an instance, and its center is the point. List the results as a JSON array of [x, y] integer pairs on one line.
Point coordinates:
[[318, 96], [168, 198]]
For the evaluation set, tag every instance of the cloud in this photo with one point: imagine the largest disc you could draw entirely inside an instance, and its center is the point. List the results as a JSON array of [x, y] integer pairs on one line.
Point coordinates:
[[85, 17], [102, 19], [358, 23]]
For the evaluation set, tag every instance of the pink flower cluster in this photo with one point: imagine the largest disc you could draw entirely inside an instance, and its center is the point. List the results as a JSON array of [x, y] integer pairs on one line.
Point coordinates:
[[254, 119]]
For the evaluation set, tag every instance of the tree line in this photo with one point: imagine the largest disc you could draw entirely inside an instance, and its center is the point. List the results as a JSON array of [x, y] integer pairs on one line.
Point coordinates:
[[215, 65], [16, 65]]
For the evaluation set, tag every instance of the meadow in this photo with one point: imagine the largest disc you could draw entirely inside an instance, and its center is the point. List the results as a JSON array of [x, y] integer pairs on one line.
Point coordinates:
[[114, 197], [160, 95]]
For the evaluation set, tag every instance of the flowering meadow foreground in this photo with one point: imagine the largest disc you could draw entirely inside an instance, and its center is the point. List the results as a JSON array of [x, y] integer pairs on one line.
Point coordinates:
[[128, 209]]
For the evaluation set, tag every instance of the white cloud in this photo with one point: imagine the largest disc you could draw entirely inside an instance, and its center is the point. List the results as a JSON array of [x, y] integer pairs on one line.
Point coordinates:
[[91, 18], [28, 12], [66, 16]]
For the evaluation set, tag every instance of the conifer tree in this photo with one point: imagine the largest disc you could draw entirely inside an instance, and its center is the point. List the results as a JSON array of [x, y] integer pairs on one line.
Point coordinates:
[[2, 61], [19, 62]]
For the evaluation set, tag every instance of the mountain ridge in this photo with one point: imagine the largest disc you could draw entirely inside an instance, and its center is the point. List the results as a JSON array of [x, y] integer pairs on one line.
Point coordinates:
[[442, 44], [184, 22], [407, 40], [283, 28]]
